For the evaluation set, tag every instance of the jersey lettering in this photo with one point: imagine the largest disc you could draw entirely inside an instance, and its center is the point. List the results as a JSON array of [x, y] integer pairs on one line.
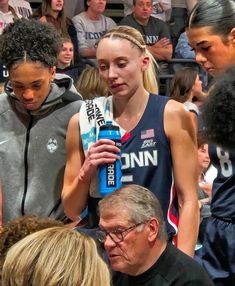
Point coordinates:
[[141, 159], [225, 162]]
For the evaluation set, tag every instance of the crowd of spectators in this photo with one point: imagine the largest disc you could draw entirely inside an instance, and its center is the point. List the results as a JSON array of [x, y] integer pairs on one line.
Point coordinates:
[[67, 67]]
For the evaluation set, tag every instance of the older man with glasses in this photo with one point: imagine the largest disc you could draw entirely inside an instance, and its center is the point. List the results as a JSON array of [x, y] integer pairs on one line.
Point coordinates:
[[133, 232]]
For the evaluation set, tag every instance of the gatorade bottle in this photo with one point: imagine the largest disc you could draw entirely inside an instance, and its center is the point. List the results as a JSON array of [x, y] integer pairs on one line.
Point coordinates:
[[110, 174]]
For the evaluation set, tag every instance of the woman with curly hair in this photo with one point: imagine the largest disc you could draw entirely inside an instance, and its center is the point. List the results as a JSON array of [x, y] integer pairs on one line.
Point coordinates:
[[186, 87], [34, 114]]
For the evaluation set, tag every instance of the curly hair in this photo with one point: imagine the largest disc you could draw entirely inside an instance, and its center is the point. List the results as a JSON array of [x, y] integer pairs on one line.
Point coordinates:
[[29, 40], [218, 110], [19, 228]]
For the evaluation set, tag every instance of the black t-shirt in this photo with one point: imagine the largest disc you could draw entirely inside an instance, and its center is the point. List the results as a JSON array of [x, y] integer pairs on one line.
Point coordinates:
[[155, 30], [172, 268]]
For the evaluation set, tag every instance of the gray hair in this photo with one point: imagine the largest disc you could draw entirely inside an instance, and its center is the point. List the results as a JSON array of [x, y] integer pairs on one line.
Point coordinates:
[[138, 202]]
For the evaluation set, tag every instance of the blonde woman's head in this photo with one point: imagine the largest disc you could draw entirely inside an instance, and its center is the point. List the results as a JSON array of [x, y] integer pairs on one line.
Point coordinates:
[[91, 85], [137, 41], [55, 256]]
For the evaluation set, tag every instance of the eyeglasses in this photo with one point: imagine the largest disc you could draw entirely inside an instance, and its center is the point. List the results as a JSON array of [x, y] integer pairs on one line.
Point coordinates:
[[116, 235]]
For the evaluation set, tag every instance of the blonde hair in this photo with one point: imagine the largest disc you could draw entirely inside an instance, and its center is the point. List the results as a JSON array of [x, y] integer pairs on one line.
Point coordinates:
[[55, 256], [90, 84], [134, 36]]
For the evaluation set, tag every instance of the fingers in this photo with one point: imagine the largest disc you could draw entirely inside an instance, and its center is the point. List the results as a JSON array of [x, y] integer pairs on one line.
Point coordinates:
[[103, 151], [104, 145]]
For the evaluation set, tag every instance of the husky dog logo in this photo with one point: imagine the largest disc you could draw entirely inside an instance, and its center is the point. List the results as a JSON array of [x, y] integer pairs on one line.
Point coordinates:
[[52, 145]]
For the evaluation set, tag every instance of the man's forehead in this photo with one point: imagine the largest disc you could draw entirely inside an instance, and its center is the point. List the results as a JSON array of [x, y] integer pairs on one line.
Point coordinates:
[[114, 217]]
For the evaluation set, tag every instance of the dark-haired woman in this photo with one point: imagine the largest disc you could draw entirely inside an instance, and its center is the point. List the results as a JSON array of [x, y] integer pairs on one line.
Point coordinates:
[[34, 115], [211, 32], [186, 87]]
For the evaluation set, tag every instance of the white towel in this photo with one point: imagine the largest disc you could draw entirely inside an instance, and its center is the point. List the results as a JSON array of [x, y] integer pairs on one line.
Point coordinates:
[[93, 114]]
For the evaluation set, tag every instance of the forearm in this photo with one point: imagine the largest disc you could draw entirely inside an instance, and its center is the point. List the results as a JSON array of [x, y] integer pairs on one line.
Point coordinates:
[[189, 216], [161, 53], [74, 197]]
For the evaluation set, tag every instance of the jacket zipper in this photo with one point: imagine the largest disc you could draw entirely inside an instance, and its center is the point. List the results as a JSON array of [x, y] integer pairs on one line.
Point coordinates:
[[26, 149]]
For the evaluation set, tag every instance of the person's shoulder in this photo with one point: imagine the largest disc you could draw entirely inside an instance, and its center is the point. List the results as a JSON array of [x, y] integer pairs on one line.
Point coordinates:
[[127, 20], [79, 17], [186, 268], [106, 18], [176, 117], [4, 103], [176, 108], [156, 21]]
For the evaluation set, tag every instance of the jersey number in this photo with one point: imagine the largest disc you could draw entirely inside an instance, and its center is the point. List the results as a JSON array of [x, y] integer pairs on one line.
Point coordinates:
[[225, 162]]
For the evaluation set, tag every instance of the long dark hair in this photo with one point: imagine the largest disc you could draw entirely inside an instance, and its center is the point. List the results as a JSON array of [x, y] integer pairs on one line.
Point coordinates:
[[182, 83]]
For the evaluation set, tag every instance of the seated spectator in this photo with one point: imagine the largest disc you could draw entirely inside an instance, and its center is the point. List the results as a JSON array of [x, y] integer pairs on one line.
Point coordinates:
[[22, 7], [186, 88], [52, 257], [161, 9], [91, 85], [7, 15], [155, 32], [134, 236], [204, 187], [65, 61], [52, 11], [90, 26], [184, 51], [15, 230]]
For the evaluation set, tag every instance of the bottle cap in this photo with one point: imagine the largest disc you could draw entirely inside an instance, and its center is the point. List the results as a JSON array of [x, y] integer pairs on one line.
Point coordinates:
[[109, 126]]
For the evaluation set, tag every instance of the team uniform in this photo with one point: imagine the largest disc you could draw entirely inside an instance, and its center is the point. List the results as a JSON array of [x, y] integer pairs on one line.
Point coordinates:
[[145, 155], [219, 246]]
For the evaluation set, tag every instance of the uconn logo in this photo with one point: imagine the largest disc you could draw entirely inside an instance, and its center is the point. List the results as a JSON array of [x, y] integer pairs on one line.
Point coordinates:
[[140, 159]]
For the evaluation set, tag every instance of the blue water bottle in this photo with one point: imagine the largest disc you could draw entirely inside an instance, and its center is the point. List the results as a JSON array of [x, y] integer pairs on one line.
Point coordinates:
[[110, 174]]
